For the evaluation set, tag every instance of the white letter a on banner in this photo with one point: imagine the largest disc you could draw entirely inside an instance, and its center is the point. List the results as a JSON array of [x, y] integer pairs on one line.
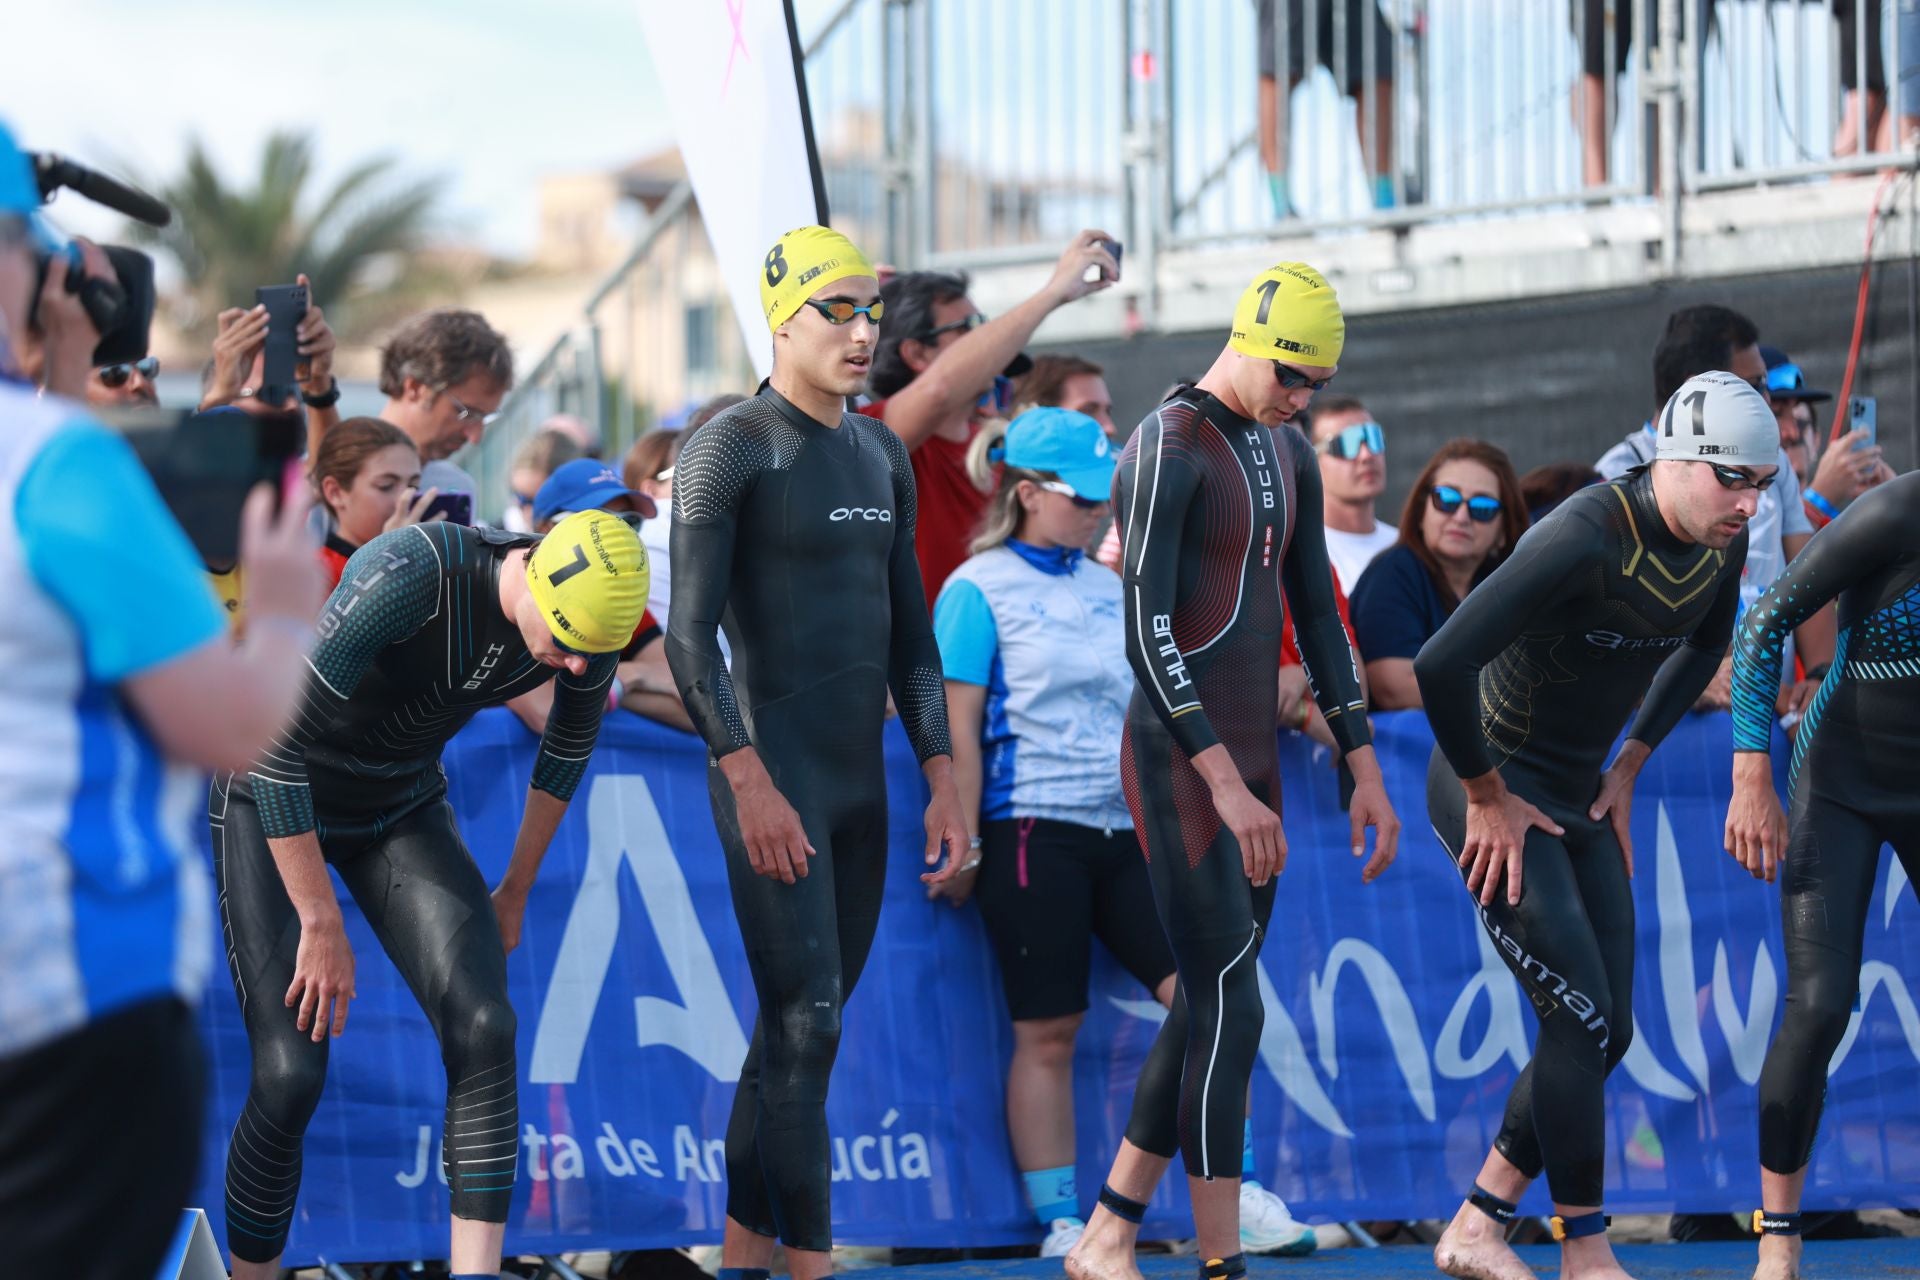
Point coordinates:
[[624, 828]]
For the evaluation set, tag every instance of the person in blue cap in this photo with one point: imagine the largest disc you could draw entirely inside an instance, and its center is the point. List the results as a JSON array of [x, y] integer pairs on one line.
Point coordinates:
[[1833, 477], [586, 484], [119, 678]]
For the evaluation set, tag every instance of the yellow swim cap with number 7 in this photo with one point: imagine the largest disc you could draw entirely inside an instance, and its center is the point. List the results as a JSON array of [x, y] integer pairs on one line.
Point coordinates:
[[589, 576], [1290, 313], [800, 263]]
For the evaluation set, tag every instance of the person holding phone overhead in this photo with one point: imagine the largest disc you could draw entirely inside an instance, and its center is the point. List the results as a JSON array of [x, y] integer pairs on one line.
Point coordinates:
[[286, 330], [430, 624]]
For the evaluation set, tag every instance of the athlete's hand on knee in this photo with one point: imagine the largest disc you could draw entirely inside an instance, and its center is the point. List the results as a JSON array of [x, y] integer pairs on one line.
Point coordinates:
[[1497, 822], [1756, 832], [1614, 801], [322, 977], [777, 844]]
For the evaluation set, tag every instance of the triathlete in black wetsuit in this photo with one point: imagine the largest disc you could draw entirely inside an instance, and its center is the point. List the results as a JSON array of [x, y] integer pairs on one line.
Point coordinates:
[[430, 624], [1218, 501], [1854, 786], [793, 526], [1526, 687]]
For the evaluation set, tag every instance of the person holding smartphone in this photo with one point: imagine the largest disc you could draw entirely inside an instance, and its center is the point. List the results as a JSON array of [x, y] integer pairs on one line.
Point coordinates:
[[367, 475]]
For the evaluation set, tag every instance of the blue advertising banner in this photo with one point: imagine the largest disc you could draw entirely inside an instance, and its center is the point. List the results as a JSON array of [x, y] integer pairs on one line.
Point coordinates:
[[1392, 1034]]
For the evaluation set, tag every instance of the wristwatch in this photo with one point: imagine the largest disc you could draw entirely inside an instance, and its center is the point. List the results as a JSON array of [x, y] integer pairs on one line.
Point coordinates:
[[325, 401]]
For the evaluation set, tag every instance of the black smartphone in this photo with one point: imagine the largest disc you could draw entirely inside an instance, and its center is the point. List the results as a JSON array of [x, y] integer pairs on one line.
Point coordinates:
[[1113, 247], [286, 306], [454, 508], [205, 465]]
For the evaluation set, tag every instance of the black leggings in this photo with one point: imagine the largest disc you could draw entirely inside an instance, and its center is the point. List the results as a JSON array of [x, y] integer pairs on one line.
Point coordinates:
[[1826, 890], [1192, 1093], [806, 944], [1570, 942], [99, 1144], [429, 907]]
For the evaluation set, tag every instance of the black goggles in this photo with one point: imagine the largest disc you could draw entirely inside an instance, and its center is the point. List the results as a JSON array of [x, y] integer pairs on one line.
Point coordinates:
[[114, 376]]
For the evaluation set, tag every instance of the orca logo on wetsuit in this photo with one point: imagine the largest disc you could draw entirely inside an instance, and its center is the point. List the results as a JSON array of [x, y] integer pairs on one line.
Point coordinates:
[[1614, 640], [881, 514]]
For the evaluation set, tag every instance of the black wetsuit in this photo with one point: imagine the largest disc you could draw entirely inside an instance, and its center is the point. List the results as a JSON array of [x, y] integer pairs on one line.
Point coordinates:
[[1533, 675], [799, 539], [1855, 781], [413, 643], [1217, 514]]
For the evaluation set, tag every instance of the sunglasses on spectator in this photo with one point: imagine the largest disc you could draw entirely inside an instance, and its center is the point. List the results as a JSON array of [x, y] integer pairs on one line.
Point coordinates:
[[467, 413], [1293, 379], [116, 375], [1065, 490], [965, 324], [843, 310], [998, 398], [1739, 481], [1481, 508], [1346, 443]]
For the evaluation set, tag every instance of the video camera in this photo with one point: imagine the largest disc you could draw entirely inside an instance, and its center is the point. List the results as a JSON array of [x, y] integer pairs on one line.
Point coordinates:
[[121, 309]]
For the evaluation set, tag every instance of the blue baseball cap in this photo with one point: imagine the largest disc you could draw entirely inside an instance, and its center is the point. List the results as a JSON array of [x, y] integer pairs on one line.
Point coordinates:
[[1070, 445], [585, 484], [1785, 381]]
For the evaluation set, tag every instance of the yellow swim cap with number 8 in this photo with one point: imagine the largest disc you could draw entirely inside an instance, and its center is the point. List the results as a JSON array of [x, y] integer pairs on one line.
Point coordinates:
[[589, 576], [800, 263], [1290, 313]]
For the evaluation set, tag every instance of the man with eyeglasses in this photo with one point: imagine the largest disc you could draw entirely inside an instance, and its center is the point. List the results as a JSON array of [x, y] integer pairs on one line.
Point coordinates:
[[793, 520], [444, 374], [1627, 594], [940, 367], [1699, 339], [1353, 474]]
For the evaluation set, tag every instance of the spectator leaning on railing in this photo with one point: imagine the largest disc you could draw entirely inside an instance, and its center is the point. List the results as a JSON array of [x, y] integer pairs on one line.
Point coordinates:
[[940, 369], [117, 670], [1463, 514]]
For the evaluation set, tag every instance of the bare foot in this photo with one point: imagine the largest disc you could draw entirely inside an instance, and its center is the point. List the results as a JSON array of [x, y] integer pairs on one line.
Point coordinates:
[[1779, 1258], [1590, 1258], [1104, 1253], [1474, 1247]]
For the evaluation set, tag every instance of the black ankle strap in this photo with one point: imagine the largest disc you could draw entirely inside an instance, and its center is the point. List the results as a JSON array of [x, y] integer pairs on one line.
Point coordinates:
[[1118, 1205], [1579, 1226], [1501, 1211], [1775, 1224], [1228, 1268]]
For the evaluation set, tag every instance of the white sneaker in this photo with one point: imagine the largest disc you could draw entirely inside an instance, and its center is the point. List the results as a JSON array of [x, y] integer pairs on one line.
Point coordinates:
[[1061, 1237], [1267, 1227]]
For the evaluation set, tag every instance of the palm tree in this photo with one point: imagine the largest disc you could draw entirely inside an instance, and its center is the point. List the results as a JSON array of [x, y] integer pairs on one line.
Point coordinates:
[[356, 242]]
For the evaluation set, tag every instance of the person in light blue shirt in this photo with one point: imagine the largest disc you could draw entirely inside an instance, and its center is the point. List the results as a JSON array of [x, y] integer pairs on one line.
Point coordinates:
[[116, 676]]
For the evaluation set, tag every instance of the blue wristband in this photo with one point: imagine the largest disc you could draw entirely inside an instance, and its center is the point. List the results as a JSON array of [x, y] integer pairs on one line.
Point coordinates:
[[1820, 504]]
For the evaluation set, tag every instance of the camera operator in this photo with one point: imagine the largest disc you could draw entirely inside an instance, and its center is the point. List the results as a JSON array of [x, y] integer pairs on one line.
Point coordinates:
[[114, 671]]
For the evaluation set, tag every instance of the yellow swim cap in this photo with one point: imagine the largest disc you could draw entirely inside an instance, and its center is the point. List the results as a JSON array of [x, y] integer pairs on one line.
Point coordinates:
[[1290, 313], [589, 576], [799, 263]]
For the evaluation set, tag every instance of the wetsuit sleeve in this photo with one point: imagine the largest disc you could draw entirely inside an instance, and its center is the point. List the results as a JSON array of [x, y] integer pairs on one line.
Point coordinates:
[[1551, 562], [913, 666], [579, 707], [1307, 577], [388, 592], [1157, 494], [1847, 551], [715, 472], [1683, 677]]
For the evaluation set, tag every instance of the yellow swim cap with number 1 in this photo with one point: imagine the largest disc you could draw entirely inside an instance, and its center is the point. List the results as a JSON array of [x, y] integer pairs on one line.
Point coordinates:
[[589, 576], [1290, 313], [800, 263]]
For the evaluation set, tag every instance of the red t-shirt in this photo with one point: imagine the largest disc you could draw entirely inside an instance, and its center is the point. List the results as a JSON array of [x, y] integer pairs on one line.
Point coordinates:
[[1290, 648], [950, 507]]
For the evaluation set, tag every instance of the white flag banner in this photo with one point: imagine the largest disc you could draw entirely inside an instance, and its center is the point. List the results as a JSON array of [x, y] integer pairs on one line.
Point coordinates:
[[730, 71]]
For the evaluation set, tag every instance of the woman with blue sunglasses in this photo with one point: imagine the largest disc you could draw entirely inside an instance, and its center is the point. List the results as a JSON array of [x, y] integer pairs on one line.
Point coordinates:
[[1461, 517]]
